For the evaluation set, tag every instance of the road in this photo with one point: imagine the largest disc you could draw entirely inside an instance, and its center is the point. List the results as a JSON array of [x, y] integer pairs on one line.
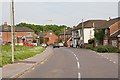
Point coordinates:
[[75, 64]]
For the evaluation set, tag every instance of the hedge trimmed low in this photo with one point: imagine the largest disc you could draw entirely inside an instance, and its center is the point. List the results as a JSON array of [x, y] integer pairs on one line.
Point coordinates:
[[107, 48]]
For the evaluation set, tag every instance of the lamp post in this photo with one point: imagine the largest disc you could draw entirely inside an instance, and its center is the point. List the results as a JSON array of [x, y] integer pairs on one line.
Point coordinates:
[[12, 28]]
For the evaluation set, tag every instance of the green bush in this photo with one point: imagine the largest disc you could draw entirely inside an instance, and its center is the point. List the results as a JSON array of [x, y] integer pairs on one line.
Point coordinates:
[[107, 48], [91, 41], [89, 46]]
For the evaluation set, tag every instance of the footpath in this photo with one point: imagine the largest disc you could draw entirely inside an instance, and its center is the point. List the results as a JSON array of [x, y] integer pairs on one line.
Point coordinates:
[[18, 68]]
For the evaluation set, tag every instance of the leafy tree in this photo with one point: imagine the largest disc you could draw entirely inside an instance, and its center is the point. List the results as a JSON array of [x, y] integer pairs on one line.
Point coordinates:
[[99, 35], [46, 28]]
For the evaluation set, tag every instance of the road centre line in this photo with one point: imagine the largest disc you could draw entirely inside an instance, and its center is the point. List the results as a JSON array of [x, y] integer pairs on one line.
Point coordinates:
[[79, 76], [77, 58], [78, 64], [75, 55]]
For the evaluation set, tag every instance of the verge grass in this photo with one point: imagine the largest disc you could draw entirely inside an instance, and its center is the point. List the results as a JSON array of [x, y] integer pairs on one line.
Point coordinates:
[[21, 53]]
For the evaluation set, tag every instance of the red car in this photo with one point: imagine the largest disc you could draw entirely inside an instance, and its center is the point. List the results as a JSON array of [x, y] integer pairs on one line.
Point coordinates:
[[29, 44]]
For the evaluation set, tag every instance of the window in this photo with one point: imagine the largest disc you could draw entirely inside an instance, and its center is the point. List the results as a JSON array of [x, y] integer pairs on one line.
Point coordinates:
[[29, 33]]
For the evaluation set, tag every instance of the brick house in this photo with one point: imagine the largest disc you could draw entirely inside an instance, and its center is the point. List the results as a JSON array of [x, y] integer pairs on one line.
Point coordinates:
[[48, 37], [87, 31], [20, 33], [112, 32]]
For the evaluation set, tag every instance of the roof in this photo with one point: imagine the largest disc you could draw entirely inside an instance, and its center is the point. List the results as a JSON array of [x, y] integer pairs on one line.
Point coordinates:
[[110, 22], [115, 34], [42, 35], [17, 29], [90, 23]]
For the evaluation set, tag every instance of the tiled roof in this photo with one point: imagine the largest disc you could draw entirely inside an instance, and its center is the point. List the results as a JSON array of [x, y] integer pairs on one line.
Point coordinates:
[[17, 29], [110, 22], [115, 34], [90, 23]]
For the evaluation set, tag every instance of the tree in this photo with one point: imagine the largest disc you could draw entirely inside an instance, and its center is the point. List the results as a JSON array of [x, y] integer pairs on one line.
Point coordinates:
[[46, 28], [99, 35]]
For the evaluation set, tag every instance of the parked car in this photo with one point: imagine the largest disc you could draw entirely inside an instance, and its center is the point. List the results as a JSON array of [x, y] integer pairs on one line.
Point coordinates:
[[29, 44], [44, 45], [56, 45], [61, 44]]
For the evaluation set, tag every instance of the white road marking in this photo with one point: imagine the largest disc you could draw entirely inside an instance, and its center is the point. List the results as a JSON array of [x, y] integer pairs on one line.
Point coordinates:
[[79, 76], [33, 68], [110, 60], [114, 62], [77, 58], [78, 64], [75, 55], [42, 62]]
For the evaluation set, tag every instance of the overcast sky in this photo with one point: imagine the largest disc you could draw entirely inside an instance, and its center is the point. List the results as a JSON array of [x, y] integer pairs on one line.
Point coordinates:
[[61, 13]]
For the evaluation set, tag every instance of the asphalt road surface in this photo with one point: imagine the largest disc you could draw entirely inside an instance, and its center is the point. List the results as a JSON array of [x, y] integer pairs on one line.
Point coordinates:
[[75, 63]]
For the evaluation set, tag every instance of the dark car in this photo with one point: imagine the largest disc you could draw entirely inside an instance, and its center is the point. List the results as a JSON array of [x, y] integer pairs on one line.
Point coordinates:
[[56, 45]]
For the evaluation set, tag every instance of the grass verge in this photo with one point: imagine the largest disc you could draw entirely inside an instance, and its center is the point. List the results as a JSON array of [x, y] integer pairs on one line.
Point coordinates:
[[21, 53]]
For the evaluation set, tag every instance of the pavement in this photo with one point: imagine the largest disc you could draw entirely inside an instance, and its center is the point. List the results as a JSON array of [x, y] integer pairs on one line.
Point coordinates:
[[18, 68], [74, 63]]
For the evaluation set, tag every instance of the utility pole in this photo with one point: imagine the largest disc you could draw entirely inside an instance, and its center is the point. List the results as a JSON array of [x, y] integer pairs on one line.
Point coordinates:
[[12, 28], [82, 33], [64, 35]]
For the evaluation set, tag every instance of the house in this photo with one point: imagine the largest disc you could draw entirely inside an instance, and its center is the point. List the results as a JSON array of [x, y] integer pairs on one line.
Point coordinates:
[[112, 32], [47, 37], [21, 34], [65, 37], [85, 31]]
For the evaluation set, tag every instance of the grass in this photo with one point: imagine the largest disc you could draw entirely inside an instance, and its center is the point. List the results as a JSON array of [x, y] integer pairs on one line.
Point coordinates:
[[21, 52]]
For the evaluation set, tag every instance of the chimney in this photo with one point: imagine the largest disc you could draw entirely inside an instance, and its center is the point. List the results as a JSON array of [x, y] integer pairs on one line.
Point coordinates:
[[109, 18], [5, 25]]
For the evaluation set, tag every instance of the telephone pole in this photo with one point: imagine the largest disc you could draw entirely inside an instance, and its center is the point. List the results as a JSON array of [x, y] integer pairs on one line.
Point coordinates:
[[12, 28], [82, 33]]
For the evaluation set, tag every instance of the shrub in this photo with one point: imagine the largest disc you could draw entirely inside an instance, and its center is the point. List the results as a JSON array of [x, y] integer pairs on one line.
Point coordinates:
[[107, 48], [91, 41]]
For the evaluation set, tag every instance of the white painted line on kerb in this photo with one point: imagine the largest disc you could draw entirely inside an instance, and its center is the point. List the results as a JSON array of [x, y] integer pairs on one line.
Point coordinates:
[[78, 64], [33, 68], [79, 76], [42, 62]]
